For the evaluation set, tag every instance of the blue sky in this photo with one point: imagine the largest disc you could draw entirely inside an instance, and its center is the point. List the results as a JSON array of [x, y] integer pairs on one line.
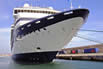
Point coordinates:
[[94, 22]]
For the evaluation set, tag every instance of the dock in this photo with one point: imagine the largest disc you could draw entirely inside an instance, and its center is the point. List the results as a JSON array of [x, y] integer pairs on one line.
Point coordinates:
[[94, 56], [5, 55], [82, 53]]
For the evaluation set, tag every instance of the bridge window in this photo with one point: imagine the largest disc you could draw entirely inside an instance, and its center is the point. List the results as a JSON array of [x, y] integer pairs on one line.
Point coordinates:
[[34, 11], [15, 11], [21, 11]]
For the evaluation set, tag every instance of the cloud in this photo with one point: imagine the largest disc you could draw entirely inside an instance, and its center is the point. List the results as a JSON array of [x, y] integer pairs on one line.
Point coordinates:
[[4, 16], [3, 30], [4, 40]]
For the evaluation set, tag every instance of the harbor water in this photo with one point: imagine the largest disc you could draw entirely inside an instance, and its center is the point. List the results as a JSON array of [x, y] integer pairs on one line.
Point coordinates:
[[7, 63]]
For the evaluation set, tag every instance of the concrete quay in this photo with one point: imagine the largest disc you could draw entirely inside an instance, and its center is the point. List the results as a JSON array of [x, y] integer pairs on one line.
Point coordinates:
[[93, 56], [80, 54]]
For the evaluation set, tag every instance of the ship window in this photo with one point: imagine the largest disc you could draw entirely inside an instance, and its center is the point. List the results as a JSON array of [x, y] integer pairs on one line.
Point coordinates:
[[49, 12], [21, 10], [50, 18], [67, 13], [26, 11], [18, 11], [38, 11], [28, 25], [32, 11], [22, 28], [15, 11], [37, 22], [45, 11], [29, 10], [35, 11], [41, 11]]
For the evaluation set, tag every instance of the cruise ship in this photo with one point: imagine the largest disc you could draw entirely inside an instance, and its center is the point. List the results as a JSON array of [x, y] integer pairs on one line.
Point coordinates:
[[38, 33]]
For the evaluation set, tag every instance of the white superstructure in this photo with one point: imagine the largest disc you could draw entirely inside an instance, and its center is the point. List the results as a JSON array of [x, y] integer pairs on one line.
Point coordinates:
[[28, 11]]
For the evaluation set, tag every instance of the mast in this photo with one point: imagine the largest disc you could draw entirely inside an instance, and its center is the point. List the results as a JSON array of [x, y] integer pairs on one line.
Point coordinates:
[[71, 5]]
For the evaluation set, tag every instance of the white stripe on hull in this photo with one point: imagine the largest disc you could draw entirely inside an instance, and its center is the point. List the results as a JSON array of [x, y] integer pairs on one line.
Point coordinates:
[[53, 39]]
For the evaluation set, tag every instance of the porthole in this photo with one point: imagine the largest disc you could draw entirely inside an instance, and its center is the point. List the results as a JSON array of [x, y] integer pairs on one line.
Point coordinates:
[[38, 48]]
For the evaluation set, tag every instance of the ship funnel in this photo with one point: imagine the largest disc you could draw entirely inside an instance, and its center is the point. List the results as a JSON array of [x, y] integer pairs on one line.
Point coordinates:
[[26, 5]]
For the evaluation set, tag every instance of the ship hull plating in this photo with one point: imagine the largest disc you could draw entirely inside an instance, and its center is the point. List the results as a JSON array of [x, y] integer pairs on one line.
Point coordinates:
[[35, 58], [39, 40]]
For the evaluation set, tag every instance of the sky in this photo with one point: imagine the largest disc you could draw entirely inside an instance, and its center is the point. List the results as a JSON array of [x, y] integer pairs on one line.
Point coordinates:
[[94, 21]]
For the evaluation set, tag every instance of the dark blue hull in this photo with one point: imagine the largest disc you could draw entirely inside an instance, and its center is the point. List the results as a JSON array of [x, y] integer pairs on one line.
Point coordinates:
[[34, 58]]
